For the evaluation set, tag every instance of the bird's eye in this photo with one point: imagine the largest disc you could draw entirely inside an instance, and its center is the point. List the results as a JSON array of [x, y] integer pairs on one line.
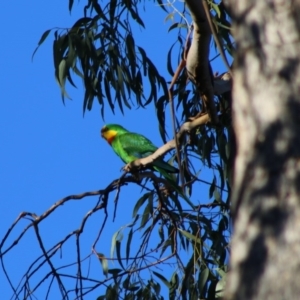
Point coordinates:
[[104, 129]]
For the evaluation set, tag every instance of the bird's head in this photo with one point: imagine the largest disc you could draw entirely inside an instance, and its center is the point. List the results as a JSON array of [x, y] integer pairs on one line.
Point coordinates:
[[110, 131]]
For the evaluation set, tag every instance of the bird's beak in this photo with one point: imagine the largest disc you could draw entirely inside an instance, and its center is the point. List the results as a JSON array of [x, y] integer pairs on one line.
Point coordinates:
[[102, 132]]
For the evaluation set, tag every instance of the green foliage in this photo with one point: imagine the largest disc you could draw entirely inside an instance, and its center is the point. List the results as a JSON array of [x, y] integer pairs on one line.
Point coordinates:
[[101, 50]]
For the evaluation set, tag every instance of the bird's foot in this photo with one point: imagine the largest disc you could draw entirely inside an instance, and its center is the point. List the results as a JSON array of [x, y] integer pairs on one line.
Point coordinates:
[[132, 168], [126, 168]]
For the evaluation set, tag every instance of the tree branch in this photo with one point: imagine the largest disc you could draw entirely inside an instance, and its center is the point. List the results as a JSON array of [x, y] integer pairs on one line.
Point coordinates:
[[197, 61], [186, 127]]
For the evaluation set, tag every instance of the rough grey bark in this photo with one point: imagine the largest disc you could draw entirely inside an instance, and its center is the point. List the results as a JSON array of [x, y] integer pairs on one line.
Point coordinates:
[[265, 261]]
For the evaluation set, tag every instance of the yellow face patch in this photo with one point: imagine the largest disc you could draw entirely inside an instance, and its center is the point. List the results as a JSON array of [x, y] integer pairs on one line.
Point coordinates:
[[108, 134]]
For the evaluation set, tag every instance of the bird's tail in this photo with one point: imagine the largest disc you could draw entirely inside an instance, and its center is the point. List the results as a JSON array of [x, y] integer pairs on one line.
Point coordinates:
[[165, 173], [162, 165]]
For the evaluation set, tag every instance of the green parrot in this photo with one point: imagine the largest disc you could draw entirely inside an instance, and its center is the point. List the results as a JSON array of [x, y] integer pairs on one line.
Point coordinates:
[[130, 146]]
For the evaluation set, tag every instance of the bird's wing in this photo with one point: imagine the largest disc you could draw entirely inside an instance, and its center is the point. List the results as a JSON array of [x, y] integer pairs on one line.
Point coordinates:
[[136, 145]]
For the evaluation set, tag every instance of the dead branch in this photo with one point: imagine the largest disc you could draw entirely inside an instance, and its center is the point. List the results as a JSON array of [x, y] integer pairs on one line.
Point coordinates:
[[47, 255], [145, 257]]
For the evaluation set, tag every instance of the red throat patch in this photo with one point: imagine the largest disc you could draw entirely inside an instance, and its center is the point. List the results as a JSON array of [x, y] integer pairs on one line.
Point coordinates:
[[110, 139], [109, 135]]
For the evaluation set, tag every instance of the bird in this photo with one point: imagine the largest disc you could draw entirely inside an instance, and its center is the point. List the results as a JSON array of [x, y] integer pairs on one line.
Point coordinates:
[[130, 146]]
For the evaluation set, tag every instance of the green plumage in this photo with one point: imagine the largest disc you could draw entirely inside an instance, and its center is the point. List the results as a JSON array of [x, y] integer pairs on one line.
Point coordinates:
[[130, 146]]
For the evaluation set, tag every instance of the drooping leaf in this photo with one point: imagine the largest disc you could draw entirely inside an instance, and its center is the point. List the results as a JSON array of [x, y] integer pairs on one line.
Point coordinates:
[[144, 57], [174, 282], [118, 251], [202, 279], [114, 271], [146, 215], [217, 195], [169, 61], [160, 112], [111, 292], [222, 143], [81, 22], [128, 245], [139, 203], [70, 5], [177, 25], [115, 238], [41, 41], [190, 236], [62, 75], [162, 5], [104, 263], [107, 91], [215, 8], [220, 287], [130, 46], [168, 243], [163, 279], [136, 17], [212, 187]]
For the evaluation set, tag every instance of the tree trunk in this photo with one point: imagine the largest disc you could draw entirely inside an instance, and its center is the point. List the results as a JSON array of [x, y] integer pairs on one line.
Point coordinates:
[[265, 260]]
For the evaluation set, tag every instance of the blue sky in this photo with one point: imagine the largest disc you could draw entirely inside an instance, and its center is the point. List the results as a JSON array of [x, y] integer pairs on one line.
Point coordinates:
[[49, 150]]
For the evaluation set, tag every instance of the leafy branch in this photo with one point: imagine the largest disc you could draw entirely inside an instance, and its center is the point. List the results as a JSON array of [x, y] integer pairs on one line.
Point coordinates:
[[171, 214]]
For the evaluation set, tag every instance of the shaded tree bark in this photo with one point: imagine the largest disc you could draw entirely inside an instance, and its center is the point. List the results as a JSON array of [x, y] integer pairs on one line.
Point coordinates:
[[265, 261], [197, 61]]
